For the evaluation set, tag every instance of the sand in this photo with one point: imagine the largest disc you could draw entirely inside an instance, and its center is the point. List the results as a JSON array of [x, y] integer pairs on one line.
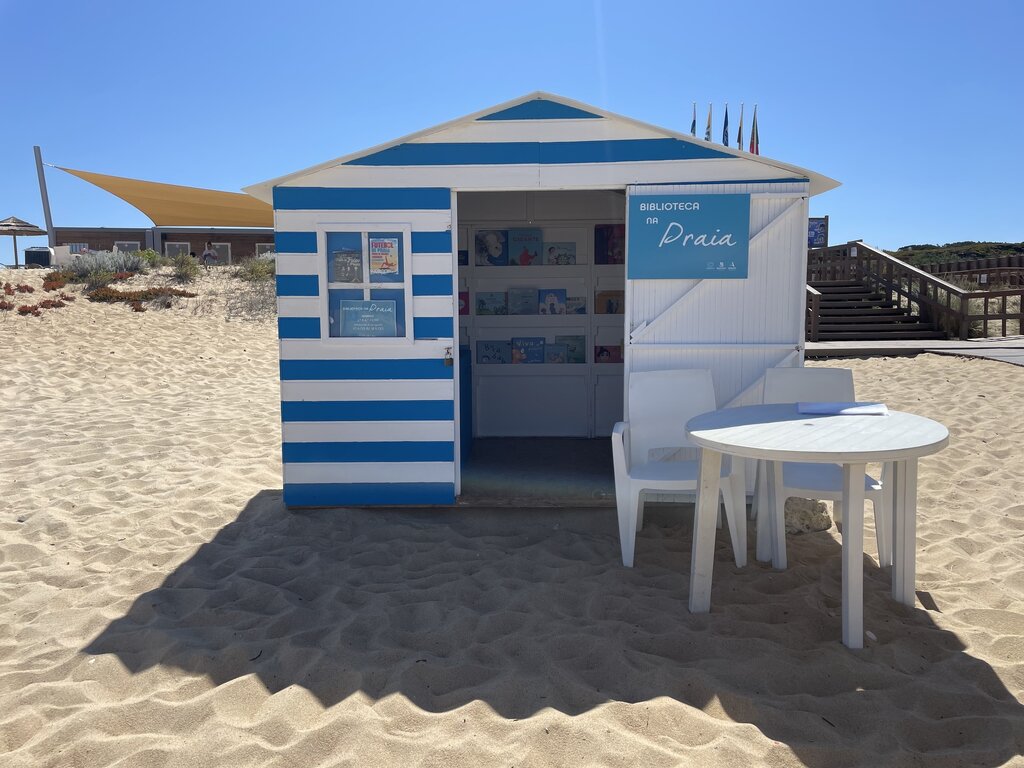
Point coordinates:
[[159, 607]]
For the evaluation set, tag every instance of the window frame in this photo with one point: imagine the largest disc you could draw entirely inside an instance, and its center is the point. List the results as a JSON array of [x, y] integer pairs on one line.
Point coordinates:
[[168, 244], [269, 252], [225, 245], [136, 243], [364, 229]]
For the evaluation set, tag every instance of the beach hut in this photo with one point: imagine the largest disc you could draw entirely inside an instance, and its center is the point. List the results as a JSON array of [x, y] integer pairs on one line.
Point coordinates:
[[561, 246]]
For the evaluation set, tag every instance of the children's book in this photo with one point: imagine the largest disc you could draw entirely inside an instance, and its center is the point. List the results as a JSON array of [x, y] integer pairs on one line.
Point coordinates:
[[493, 352], [559, 254], [609, 243], [491, 248], [524, 247], [551, 301], [576, 305], [555, 353], [609, 302], [522, 301], [463, 302], [608, 354], [491, 303], [463, 258], [528, 349], [575, 348]]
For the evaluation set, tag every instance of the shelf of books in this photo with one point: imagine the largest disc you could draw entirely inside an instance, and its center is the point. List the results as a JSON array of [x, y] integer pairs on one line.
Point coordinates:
[[542, 310]]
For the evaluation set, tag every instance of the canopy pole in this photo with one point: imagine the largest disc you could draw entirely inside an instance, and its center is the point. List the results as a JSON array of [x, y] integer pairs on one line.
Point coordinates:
[[51, 234], [15, 238]]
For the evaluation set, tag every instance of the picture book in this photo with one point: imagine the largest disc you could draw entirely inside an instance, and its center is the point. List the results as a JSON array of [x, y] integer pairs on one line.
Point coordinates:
[[463, 302], [491, 248], [560, 254], [522, 301], [551, 301], [608, 354], [524, 247], [576, 305], [609, 302], [610, 244], [575, 348], [528, 349], [463, 258], [555, 353], [491, 303], [493, 352]]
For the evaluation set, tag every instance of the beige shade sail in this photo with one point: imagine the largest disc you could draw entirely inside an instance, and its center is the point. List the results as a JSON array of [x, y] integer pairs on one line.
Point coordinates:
[[171, 205]]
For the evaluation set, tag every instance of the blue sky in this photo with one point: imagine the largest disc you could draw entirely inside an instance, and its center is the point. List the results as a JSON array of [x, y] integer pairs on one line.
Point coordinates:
[[915, 107]]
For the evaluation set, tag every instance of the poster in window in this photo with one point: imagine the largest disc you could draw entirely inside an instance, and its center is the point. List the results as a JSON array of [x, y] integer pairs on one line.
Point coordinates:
[[383, 256], [374, 318]]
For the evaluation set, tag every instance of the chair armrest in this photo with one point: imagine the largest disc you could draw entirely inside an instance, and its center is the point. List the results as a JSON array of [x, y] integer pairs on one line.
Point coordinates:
[[620, 448]]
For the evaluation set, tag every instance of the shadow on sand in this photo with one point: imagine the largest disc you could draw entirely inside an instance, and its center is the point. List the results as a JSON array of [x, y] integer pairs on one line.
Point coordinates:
[[526, 610]]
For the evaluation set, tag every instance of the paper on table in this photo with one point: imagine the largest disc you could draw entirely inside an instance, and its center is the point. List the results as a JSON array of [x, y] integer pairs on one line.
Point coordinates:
[[843, 409]]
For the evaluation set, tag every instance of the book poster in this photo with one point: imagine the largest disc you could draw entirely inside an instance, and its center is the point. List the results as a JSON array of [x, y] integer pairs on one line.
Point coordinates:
[[576, 305], [608, 354], [463, 302], [609, 302], [528, 349], [610, 244], [556, 353], [551, 301], [493, 352], [491, 248], [575, 348], [522, 301], [560, 254], [524, 247], [383, 256], [346, 266], [491, 303], [374, 318]]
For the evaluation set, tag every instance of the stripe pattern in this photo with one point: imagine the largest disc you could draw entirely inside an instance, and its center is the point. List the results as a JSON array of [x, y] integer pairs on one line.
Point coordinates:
[[366, 424]]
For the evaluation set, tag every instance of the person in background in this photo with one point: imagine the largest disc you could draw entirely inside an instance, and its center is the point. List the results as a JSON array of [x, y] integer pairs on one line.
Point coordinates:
[[209, 256]]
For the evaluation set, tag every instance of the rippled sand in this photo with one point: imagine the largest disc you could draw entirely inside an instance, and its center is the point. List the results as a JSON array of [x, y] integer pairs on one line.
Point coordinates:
[[159, 607]]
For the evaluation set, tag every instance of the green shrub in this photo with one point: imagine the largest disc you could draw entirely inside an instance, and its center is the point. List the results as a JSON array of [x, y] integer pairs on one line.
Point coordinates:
[[186, 269], [104, 261], [98, 278], [152, 259], [257, 270], [110, 295]]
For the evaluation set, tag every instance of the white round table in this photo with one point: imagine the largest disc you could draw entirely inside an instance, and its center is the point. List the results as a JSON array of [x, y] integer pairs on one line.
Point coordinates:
[[777, 433]]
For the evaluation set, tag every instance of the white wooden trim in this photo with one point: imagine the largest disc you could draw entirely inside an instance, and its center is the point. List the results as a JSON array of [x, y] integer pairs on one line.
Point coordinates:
[[366, 431], [330, 349], [367, 390], [309, 220], [373, 472]]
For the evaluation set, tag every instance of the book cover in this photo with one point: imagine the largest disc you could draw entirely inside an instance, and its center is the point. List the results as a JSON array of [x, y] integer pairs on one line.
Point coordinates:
[[493, 352], [463, 302], [491, 248], [575, 348], [528, 349], [559, 254], [551, 301], [609, 243], [609, 302], [576, 305], [463, 258], [346, 266], [491, 303], [556, 353], [524, 247], [522, 301], [608, 354]]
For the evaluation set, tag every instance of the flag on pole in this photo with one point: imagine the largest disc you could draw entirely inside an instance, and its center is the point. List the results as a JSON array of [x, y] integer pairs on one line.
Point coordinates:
[[707, 131], [725, 126], [755, 141], [739, 133], [693, 123]]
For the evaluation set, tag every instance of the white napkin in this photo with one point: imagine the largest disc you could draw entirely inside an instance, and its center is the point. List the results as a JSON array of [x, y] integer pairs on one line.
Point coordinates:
[[843, 409]]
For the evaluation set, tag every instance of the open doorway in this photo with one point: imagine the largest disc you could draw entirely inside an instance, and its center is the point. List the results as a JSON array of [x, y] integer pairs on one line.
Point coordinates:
[[541, 288]]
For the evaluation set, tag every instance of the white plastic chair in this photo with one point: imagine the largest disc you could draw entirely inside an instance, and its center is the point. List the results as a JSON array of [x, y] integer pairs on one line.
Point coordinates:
[[818, 481], [660, 404]]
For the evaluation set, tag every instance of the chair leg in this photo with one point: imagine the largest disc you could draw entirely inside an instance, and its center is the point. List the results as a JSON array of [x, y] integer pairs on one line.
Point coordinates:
[[734, 493], [628, 509]]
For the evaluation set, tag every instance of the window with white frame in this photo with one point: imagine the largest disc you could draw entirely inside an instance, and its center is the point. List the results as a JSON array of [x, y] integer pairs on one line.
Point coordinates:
[[223, 251], [177, 249], [368, 283], [264, 249], [127, 246], [74, 248]]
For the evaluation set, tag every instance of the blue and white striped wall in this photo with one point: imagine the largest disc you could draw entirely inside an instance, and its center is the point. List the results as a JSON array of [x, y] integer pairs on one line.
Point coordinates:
[[366, 424]]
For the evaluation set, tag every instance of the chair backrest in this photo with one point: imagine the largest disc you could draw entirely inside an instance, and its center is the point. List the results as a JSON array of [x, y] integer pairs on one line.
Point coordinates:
[[808, 385], [660, 404]]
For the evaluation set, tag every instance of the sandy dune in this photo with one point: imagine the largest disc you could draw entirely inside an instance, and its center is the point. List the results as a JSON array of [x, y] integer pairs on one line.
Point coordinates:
[[159, 607]]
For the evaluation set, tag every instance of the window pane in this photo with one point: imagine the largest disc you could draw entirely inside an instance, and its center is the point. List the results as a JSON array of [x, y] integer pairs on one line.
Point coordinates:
[[386, 257], [345, 257], [396, 295], [334, 298]]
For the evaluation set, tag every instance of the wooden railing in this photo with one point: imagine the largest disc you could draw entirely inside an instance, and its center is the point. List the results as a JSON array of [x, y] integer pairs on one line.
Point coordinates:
[[813, 313], [950, 308]]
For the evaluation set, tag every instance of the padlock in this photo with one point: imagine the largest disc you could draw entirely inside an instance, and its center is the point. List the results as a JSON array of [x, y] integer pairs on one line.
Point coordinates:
[[448, 361]]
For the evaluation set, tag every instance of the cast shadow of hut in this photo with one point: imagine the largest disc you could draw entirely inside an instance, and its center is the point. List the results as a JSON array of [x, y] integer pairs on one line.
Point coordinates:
[[533, 610]]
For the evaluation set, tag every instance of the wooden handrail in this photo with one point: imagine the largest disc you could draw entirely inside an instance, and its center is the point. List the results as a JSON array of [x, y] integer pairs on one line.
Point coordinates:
[[813, 313]]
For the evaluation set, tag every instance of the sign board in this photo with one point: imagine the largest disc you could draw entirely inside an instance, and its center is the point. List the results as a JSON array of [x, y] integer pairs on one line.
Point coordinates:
[[673, 237], [374, 318], [817, 232]]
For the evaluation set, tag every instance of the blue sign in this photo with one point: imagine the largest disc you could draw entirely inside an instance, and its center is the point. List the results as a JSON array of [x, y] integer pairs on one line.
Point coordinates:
[[682, 237], [373, 318]]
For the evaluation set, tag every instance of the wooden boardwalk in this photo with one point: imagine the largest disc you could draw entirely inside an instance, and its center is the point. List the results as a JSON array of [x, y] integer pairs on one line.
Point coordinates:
[[1008, 350]]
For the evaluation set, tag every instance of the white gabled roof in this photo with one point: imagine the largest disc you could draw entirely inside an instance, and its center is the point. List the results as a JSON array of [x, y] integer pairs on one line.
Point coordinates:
[[516, 122]]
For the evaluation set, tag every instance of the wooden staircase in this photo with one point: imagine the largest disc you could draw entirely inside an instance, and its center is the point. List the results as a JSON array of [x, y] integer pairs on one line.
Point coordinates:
[[848, 310]]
